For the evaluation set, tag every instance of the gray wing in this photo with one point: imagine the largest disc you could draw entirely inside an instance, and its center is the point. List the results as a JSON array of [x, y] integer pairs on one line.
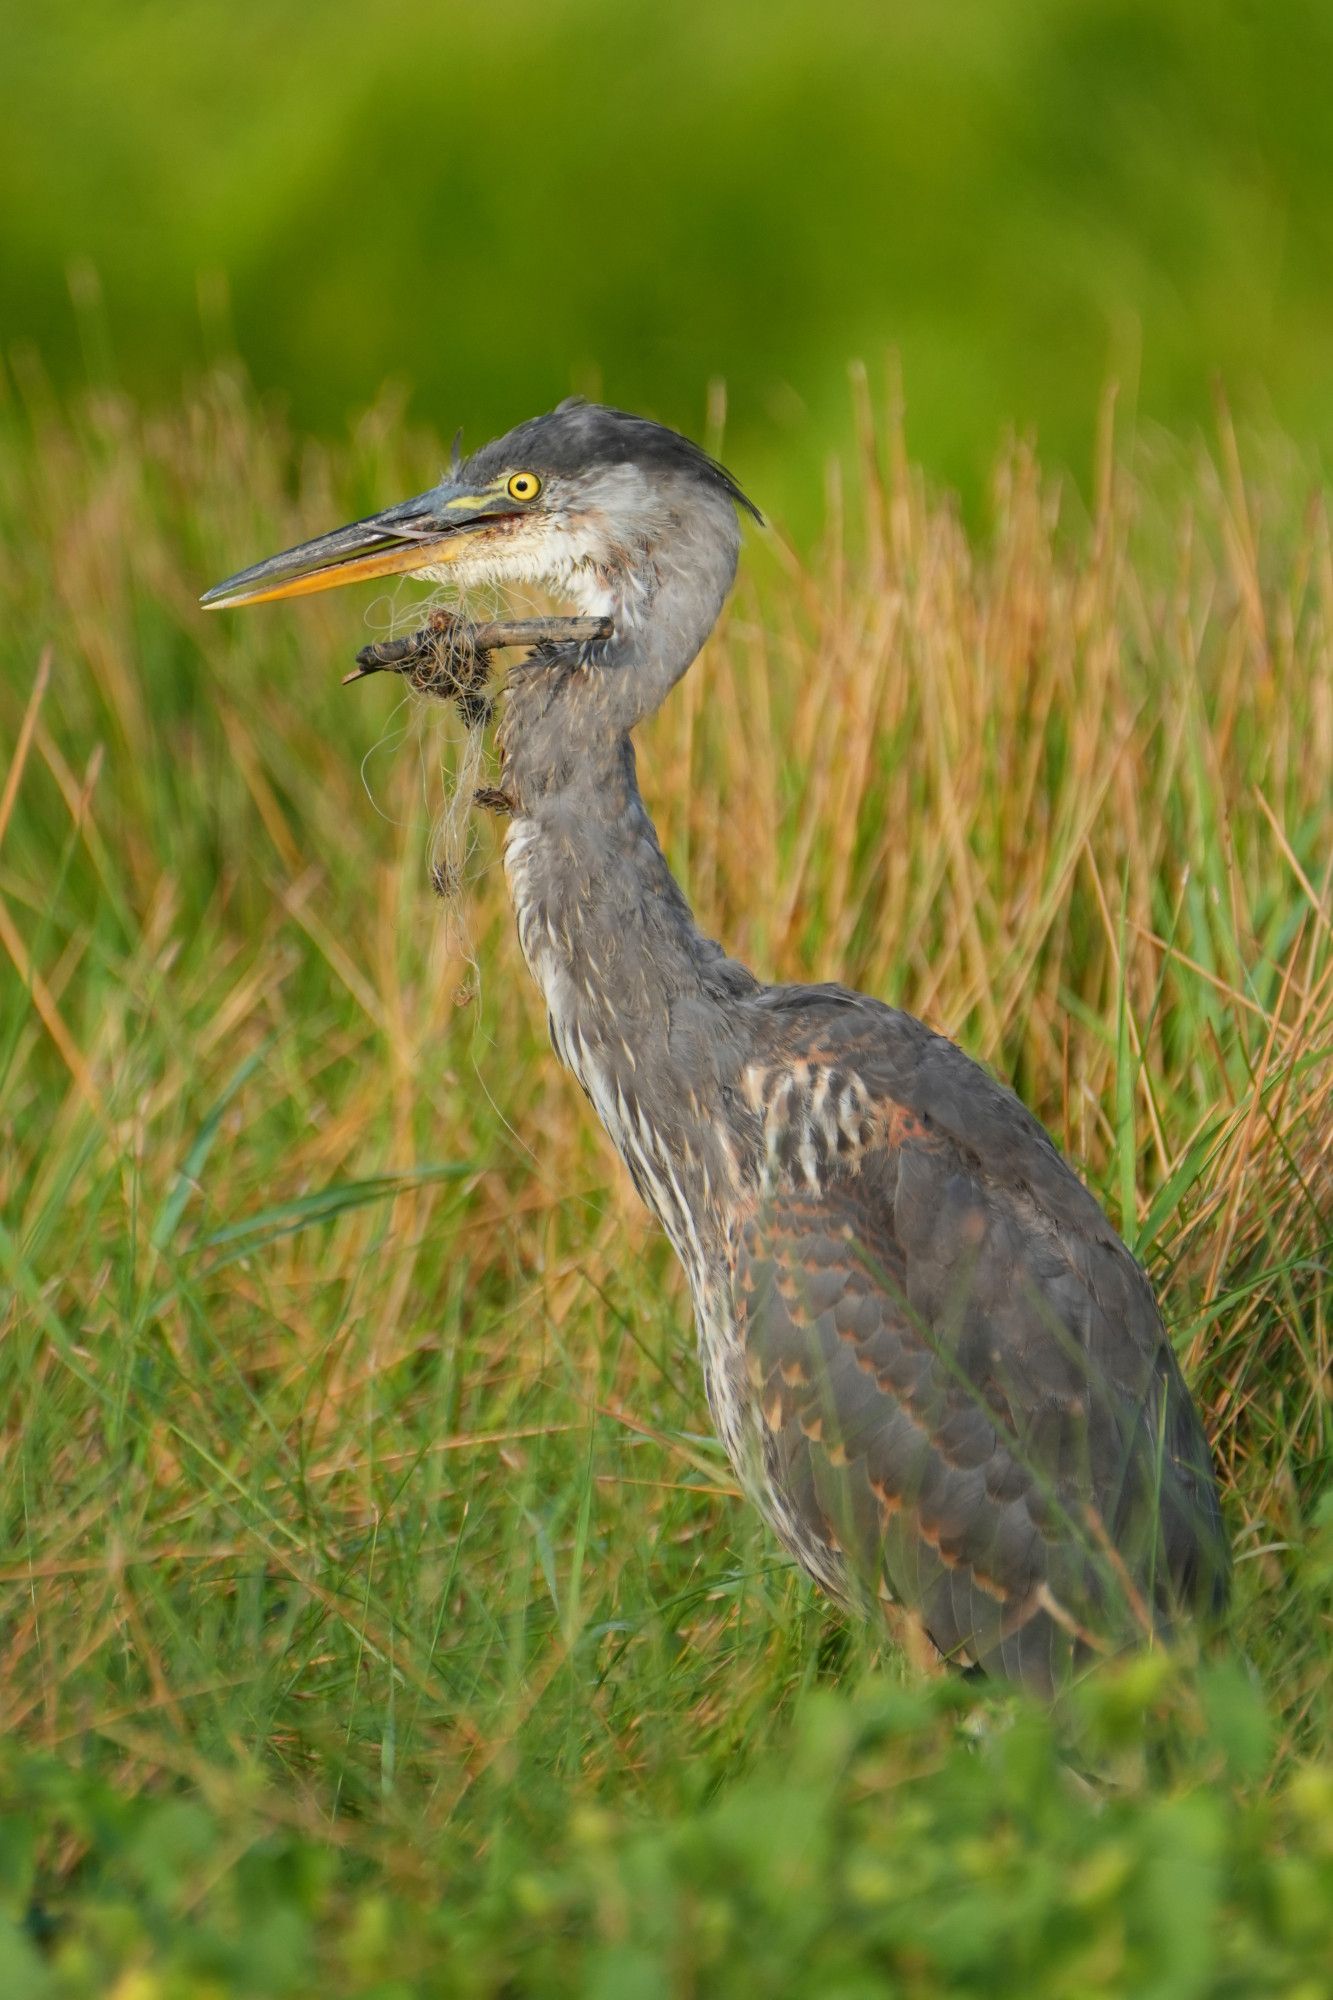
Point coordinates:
[[962, 1377]]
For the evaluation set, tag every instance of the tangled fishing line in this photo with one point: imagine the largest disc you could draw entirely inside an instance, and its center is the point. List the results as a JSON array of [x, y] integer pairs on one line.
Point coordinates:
[[448, 658]]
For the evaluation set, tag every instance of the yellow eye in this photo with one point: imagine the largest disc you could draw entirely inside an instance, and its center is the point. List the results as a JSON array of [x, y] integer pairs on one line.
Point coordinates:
[[524, 486]]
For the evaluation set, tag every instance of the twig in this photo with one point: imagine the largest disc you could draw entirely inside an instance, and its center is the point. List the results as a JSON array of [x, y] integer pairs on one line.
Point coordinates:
[[450, 657]]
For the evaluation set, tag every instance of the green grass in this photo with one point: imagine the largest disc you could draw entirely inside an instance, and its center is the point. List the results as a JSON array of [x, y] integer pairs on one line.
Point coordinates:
[[377, 1615], [498, 205]]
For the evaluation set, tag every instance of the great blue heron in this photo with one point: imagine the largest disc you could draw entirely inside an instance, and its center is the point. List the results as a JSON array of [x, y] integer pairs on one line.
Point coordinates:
[[933, 1364]]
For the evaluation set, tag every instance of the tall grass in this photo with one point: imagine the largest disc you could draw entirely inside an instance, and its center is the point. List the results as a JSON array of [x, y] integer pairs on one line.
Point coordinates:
[[368, 1575]]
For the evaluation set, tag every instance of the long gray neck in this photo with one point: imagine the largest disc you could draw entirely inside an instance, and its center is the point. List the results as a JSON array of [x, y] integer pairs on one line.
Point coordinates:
[[634, 991], [568, 710]]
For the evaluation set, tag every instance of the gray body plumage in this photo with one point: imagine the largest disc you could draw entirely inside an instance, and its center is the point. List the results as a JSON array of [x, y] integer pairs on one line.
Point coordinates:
[[932, 1362]]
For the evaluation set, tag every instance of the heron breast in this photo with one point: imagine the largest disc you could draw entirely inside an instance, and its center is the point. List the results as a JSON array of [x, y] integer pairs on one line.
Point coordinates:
[[816, 1119]]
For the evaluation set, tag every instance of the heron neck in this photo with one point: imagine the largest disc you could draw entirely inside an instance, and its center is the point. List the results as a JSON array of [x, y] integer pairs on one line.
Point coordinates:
[[641, 1004], [636, 996], [569, 709], [604, 924]]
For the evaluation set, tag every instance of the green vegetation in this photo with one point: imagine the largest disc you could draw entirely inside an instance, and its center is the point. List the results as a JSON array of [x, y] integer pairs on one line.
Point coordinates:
[[495, 205], [376, 1613]]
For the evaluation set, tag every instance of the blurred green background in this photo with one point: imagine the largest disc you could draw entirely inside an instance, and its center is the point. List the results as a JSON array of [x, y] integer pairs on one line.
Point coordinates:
[[492, 205]]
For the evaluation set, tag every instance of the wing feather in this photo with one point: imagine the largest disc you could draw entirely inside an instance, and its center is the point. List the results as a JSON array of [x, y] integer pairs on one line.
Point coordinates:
[[964, 1381]]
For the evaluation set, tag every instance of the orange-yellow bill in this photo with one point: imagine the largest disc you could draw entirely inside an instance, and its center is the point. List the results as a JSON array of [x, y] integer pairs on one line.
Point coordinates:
[[419, 534]]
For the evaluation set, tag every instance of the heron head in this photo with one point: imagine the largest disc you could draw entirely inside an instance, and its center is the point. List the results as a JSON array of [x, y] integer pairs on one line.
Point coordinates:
[[581, 501]]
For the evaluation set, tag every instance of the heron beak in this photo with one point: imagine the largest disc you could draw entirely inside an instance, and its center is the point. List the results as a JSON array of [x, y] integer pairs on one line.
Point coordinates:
[[422, 534]]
